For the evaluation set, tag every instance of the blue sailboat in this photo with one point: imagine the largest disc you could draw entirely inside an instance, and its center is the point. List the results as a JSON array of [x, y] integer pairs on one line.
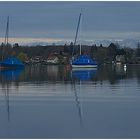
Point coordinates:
[[82, 61], [10, 62]]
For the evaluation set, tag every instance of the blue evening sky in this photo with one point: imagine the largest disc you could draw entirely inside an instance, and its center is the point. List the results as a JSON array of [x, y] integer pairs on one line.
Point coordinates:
[[58, 20]]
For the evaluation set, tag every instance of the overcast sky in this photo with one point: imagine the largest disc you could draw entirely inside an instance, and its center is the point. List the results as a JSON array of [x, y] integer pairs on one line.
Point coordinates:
[[58, 20]]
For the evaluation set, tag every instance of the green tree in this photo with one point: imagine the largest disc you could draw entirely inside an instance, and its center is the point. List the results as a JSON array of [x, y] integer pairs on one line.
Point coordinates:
[[112, 51], [22, 56], [138, 50]]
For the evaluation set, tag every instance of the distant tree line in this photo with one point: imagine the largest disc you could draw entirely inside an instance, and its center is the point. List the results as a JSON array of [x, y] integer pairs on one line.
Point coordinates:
[[103, 54]]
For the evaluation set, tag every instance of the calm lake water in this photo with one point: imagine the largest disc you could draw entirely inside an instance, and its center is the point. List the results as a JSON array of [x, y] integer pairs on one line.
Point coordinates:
[[55, 102]]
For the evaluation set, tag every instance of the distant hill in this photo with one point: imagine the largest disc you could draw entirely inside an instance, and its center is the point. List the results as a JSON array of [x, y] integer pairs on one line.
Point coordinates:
[[132, 43]]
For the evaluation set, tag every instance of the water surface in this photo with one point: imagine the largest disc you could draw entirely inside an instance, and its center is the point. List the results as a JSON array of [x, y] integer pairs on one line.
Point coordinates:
[[56, 102]]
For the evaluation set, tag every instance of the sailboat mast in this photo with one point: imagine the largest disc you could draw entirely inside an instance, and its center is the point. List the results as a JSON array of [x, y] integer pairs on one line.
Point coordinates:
[[76, 32], [7, 32], [6, 37], [80, 36]]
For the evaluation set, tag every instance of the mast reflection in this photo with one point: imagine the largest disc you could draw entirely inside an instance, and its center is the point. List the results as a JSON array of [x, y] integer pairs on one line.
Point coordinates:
[[82, 75], [8, 76]]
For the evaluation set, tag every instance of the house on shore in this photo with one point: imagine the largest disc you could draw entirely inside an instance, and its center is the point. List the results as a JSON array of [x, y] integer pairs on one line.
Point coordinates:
[[120, 59], [52, 60]]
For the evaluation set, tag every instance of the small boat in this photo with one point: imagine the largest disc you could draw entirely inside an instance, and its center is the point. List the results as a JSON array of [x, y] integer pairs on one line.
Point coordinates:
[[125, 67], [11, 62], [82, 61]]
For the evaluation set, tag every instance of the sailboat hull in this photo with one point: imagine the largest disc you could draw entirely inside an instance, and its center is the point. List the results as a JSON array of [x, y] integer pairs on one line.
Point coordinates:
[[84, 66], [84, 61], [10, 66]]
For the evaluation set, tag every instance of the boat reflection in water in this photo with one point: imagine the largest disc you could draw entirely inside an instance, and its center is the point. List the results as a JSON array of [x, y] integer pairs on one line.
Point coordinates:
[[8, 76], [80, 74], [84, 74], [11, 74]]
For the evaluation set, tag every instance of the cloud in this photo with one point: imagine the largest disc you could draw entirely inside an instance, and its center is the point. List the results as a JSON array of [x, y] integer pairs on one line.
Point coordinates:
[[58, 20]]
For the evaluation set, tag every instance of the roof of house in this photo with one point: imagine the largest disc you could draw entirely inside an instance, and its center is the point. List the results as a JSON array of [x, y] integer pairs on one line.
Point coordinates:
[[52, 57]]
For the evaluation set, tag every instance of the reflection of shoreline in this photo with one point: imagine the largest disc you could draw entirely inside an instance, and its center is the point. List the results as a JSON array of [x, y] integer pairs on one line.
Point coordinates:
[[120, 69], [60, 74], [53, 72]]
